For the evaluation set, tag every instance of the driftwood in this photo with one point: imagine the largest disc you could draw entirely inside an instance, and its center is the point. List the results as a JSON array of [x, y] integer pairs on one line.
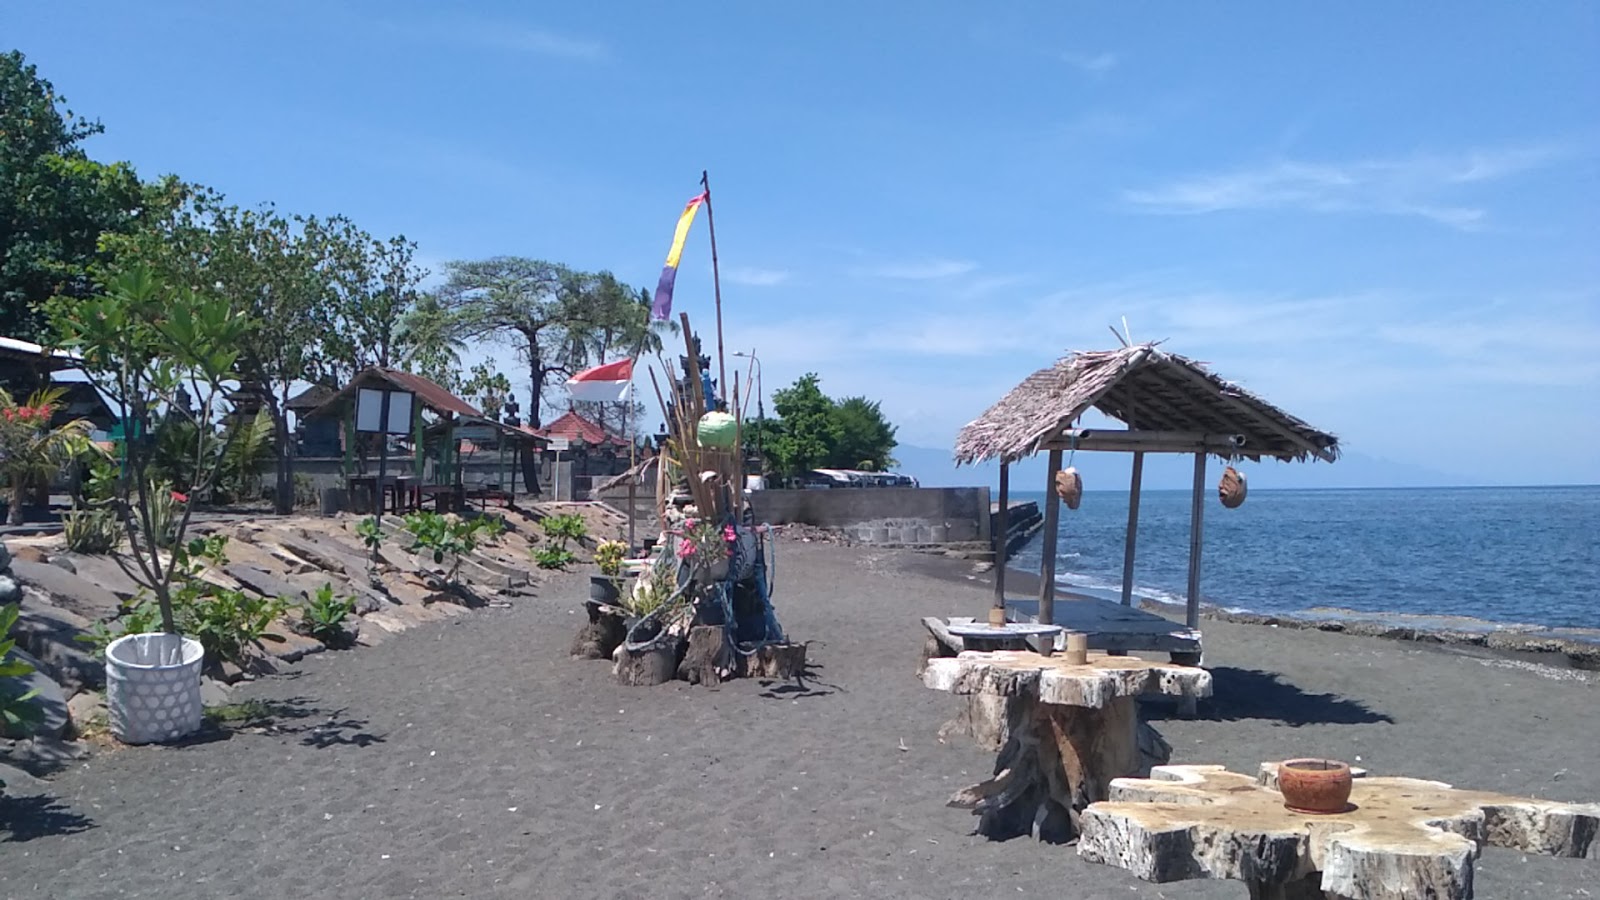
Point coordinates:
[[708, 659], [651, 664], [602, 634], [778, 661], [1402, 837]]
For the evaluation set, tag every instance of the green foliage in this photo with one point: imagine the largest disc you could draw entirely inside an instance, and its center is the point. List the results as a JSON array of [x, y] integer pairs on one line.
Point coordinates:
[[866, 439], [140, 341], [91, 531], [814, 431], [652, 590], [17, 711], [447, 537], [31, 451], [165, 512], [305, 492], [807, 432], [369, 532], [239, 713], [551, 556], [564, 528], [323, 616], [487, 389], [55, 203], [608, 556], [225, 622], [249, 450]]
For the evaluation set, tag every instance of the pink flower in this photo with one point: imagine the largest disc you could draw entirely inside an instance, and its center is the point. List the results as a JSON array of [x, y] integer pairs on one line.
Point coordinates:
[[685, 549], [181, 498], [728, 534], [688, 523]]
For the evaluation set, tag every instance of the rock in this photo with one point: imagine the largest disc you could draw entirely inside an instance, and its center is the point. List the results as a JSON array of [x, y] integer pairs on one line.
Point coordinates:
[[68, 591], [29, 553], [43, 755], [19, 781], [5, 557], [103, 571], [10, 590], [264, 583], [50, 701], [51, 635], [214, 693], [87, 712], [61, 562], [292, 647]]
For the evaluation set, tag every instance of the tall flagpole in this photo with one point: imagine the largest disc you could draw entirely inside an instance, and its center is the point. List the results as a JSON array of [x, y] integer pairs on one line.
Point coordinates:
[[633, 455], [716, 281]]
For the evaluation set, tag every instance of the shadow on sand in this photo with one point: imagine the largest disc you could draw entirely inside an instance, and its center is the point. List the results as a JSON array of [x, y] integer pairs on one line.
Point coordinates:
[[288, 717], [1253, 694], [799, 688], [27, 818]]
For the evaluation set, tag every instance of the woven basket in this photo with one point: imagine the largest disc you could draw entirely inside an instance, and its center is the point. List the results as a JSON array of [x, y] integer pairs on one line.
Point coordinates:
[[153, 687], [1231, 489], [1069, 487]]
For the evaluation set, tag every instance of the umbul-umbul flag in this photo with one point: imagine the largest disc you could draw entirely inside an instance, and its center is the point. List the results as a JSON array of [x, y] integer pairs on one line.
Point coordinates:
[[602, 384]]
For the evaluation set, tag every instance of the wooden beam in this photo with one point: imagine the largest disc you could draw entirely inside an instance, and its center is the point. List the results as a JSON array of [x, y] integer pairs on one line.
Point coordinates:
[[1047, 553], [1196, 516], [1133, 528], [1270, 423], [1118, 440], [1002, 539]]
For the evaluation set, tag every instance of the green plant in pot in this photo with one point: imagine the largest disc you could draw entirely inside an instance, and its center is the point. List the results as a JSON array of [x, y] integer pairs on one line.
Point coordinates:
[[157, 351], [606, 587]]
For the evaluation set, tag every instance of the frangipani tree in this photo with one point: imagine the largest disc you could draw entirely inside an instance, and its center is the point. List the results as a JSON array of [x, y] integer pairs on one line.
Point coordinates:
[[141, 341], [32, 452]]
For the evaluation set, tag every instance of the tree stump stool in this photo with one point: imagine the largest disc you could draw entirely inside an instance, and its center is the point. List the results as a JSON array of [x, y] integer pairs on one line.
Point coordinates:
[[1401, 837], [1071, 729]]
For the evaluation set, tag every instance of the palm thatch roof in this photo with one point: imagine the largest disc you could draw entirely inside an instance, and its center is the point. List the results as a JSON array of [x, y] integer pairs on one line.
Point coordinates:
[[1147, 389]]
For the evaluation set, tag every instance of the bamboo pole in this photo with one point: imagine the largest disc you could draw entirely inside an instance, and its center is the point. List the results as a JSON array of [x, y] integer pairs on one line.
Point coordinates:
[[1196, 512], [1047, 561], [716, 280]]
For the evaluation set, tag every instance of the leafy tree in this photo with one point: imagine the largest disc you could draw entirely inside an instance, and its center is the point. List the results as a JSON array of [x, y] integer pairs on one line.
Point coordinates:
[[430, 335], [141, 342], [560, 320], [487, 389], [55, 203], [807, 431], [866, 439], [375, 286]]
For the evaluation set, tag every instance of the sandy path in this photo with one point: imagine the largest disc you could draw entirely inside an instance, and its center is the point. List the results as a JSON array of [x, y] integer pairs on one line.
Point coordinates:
[[473, 759]]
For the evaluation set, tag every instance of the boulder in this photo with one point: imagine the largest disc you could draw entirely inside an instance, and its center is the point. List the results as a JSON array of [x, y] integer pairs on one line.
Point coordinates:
[[10, 590], [51, 634], [262, 582], [103, 571], [29, 553], [5, 557], [87, 712], [70, 592], [292, 647]]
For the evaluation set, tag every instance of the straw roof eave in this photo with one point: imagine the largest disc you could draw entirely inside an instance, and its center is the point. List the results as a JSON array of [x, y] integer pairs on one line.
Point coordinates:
[[1146, 389]]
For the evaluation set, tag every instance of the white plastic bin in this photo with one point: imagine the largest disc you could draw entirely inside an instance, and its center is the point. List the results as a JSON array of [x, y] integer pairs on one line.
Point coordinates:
[[153, 687]]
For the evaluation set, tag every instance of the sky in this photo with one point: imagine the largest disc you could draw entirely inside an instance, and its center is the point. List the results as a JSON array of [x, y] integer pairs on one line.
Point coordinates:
[[1381, 217]]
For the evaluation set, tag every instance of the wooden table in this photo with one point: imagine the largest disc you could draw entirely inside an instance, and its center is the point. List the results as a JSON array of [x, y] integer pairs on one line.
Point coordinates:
[[1404, 838], [1070, 730]]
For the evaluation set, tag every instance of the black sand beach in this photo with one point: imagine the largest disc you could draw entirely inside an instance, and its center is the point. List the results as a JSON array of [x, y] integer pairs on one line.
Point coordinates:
[[472, 759]]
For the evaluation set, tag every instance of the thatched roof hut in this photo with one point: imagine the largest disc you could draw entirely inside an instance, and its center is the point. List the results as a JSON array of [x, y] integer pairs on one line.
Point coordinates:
[[1149, 390], [1169, 403]]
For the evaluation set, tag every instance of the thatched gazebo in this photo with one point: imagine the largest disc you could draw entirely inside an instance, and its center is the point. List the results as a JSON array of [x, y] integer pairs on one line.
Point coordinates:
[[1169, 403]]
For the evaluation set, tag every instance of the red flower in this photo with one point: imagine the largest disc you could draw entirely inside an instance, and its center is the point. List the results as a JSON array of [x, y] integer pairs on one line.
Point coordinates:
[[181, 498]]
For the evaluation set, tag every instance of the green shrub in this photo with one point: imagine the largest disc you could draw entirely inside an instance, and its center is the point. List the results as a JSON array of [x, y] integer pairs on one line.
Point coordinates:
[[91, 531], [323, 616], [447, 537], [608, 556], [552, 557], [369, 532], [18, 713], [563, 528]]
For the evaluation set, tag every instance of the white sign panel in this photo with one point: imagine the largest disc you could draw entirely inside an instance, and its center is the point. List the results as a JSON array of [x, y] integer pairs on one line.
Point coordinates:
[[400, 412], [369, 411]]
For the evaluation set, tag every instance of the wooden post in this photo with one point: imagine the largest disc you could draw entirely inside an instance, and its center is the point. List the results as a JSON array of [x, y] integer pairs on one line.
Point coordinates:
[[1196, 510], [1133, 528], [997, 614], [1047, 551]]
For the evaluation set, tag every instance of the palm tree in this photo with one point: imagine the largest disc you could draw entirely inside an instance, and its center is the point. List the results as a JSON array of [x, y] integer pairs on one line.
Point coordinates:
[[31, 452]]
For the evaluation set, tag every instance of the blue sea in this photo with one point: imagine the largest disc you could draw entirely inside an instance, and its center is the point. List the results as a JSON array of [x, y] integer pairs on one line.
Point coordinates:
[[1516, 555]]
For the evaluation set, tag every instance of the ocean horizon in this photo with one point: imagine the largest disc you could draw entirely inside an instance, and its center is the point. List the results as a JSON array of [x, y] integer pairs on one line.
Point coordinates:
[[1515, 555]]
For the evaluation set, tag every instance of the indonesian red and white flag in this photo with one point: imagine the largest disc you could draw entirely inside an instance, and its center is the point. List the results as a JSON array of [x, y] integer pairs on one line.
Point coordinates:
[[602, 384]]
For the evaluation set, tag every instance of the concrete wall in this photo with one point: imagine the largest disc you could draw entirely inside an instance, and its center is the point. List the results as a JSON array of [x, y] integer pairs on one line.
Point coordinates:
[[884, 515]]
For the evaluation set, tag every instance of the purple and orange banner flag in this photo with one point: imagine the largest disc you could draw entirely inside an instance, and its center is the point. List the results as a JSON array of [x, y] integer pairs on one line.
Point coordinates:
[[661, 308]]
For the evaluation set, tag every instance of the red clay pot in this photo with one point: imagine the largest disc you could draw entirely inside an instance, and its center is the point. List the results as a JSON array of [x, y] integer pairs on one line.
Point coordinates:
[[1320, 786]]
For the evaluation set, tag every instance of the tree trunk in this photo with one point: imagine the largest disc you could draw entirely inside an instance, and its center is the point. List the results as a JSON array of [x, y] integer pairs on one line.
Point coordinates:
[[283, 450], [536, 382], [19, 493]]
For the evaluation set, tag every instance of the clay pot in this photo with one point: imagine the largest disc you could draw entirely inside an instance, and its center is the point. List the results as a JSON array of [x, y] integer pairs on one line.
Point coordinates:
[[1319, 786]]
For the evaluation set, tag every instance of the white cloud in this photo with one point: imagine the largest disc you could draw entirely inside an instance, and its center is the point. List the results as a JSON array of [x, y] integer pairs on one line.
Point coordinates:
[[503, 35], [1095, 64], [755, 277], [920, 270], [1414, 186]]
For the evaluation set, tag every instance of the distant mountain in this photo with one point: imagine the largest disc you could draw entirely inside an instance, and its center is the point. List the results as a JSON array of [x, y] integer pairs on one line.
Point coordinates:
[[1111, 471]]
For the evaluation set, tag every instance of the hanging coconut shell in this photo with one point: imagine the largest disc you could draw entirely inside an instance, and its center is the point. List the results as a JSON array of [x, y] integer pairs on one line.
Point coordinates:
[[1231, 489], [1069, 487]]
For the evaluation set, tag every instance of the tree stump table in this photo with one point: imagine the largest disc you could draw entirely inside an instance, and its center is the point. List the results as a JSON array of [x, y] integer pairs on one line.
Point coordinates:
[[1071, 729], [1401, 837]]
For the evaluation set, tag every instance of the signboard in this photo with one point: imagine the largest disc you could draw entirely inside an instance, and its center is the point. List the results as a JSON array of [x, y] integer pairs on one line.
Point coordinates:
[[383, 412], [559, 443]]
